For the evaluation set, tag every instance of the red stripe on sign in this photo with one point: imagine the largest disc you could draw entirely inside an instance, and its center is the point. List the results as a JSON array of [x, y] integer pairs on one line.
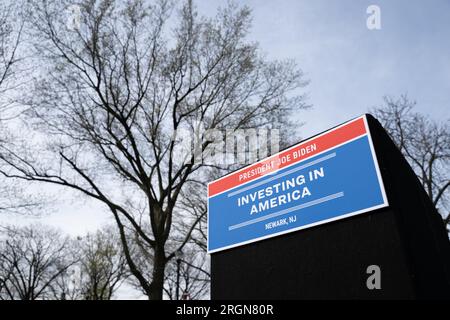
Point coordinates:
[[290, 156]]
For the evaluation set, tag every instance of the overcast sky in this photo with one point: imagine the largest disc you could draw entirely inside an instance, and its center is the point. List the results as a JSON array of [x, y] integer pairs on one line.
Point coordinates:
[[350, 67]]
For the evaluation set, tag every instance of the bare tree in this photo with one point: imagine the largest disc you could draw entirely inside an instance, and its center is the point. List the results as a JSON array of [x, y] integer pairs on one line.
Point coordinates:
[[32, 258], [99, 271], [118, 89], [11, 36], [187, 276], [14, 197], [102, 265], [424, 143], [194, 204]]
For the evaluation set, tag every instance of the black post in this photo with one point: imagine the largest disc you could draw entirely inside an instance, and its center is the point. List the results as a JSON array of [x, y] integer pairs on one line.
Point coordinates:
[[178, 279]]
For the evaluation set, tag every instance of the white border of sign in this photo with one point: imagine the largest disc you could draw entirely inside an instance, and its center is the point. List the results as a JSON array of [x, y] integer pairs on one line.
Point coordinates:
[[377, 169]]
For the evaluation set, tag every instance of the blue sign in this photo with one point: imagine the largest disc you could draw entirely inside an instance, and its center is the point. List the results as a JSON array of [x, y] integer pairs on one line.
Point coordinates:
[[330, 177]]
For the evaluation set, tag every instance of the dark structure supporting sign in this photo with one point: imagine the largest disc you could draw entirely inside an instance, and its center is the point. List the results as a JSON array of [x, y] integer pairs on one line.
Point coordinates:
[[315, 220]]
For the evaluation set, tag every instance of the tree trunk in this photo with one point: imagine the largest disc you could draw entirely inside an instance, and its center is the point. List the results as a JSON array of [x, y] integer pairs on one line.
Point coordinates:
[[159, 266]]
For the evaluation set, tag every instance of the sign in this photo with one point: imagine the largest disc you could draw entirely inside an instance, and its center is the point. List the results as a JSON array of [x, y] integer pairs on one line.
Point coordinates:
[[329, 177]]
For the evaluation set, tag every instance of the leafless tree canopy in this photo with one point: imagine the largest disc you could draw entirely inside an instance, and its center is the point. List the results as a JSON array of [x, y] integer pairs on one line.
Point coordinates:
[[424, 143], [118, 83], [189, 274], [103, 265], [100, 269], [8, 45], [14, 197], [37, 262], [31, 260], [11, 36]]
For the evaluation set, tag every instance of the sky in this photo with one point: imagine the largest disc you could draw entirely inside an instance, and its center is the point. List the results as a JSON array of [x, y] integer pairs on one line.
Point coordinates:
[[350, 67]]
